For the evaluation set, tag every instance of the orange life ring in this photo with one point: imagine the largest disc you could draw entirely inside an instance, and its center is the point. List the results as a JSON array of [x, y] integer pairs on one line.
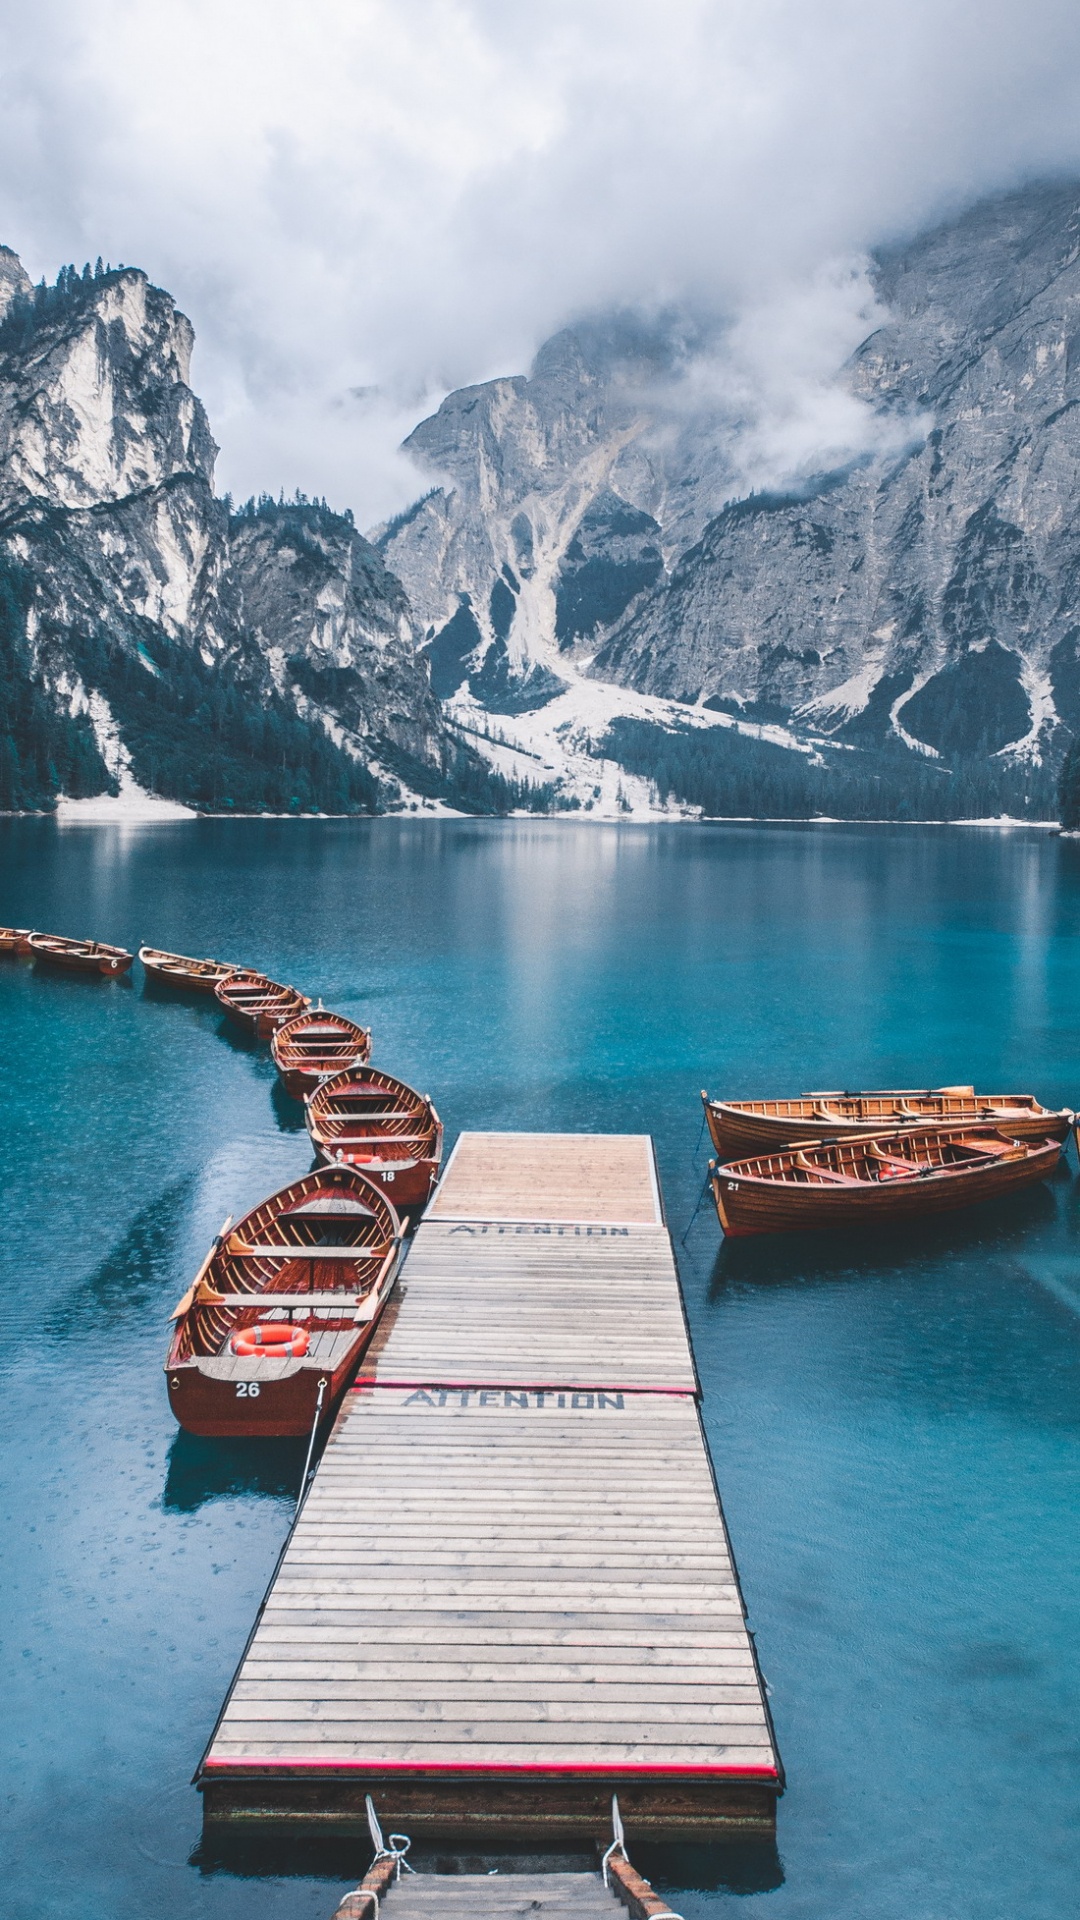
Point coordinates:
[[274, 1341]]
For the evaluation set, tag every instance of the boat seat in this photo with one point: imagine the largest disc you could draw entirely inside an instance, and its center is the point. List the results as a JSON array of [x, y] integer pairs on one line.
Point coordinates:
[[377, 1139], [321, 1040], [343, 1303], [369, 1115], [323, 1210], [898, 1168], [995, 1149], [826, 1173], [248, 1249]]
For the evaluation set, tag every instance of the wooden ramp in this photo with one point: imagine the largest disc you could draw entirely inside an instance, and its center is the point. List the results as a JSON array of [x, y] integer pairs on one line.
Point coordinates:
[[500, 1896], [489, 1896], [510, 1592]]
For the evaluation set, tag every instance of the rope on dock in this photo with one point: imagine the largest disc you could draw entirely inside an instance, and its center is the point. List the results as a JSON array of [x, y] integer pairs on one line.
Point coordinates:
[[378, 1876], [625, 1882], [399, 1842]]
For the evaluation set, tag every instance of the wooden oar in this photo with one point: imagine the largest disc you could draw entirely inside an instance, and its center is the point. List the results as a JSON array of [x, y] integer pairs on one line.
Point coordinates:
[[185, 1304]]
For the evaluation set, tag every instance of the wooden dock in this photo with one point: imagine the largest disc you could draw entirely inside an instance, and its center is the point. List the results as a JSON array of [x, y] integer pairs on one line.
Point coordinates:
[[510, 1592]]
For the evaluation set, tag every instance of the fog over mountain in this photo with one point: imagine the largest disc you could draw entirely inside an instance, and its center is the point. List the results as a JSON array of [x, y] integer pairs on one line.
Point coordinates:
[[363, 206]]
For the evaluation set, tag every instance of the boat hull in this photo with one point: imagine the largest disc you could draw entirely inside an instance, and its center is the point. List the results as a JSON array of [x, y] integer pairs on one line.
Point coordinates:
[[302, 1082], [388, 1132], [176, 973], [259, 1015], [737, 1135], [315, 1047], [14, 941], [408, 1183], [263, 1399], [107, 964], [268, 1263], [748, 1205]]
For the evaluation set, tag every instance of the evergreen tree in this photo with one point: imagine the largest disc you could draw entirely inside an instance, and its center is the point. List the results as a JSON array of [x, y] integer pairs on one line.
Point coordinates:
[[1069, 790]]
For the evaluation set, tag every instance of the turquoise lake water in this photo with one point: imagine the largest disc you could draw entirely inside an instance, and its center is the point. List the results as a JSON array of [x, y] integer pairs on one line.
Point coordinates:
[[895, 1422]]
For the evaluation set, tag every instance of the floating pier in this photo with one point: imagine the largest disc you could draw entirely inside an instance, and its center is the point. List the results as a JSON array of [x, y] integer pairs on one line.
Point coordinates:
[[509, 1593]]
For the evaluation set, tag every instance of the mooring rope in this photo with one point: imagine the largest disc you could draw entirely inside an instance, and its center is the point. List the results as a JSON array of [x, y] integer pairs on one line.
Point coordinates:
[[311, 1448], [618, 1845], [700, 1198], [395, 1849]]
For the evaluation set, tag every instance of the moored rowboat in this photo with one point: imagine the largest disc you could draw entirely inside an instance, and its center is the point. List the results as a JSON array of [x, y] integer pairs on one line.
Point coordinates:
[[365, 1118], [314, 1045], [14, 940], [870, 1181], [271, 1330], [80, 956], [257, 1004], [177, 971], [740, 1127]]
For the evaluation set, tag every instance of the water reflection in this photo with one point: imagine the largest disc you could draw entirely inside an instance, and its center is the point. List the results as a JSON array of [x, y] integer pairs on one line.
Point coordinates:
[[47, 971], [735, 1866], [901, 1247], [134, 1272], [284, 1856], [203, 1470], [718, 1866], [238, 1037], [288, 1113]]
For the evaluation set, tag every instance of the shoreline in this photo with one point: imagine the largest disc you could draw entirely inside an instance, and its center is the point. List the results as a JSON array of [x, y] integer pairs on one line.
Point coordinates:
[[173, 814]]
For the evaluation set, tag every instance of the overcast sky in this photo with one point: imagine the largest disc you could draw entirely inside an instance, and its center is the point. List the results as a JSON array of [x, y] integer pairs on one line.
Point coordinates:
[[362, 203]]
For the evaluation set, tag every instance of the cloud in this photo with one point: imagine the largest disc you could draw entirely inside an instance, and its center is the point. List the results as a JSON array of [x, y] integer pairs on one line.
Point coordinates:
[[362, 203]]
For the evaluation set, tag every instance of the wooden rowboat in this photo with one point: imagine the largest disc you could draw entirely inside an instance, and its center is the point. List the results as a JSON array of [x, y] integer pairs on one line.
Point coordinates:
[[257, 1004], [314, 1045], [368, 1119], [866, 1181], [739, 1127], [270, 1332], [185, 976], [80, 956], [14, 940]]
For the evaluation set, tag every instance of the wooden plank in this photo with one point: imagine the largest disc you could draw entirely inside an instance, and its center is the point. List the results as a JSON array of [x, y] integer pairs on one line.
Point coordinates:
[[282, 1681], [450, 1665], [494, 1635]]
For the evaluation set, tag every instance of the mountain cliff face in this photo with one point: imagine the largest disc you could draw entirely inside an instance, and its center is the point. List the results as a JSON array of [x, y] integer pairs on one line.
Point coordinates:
[[922, 604], [147, 637], [563, 489], [933, 598]]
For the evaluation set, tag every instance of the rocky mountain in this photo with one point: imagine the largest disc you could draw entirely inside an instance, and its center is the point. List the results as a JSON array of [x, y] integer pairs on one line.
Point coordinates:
[[585, 608], [911, 620], [561, 494], [150, 639]]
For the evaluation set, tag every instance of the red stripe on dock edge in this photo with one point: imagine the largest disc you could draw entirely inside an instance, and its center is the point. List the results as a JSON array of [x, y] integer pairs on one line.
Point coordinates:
[[533, 1386], [262, 1765]]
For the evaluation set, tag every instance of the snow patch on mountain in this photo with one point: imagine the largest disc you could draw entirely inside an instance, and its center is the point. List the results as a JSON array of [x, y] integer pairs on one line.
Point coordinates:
[[561, 743]]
